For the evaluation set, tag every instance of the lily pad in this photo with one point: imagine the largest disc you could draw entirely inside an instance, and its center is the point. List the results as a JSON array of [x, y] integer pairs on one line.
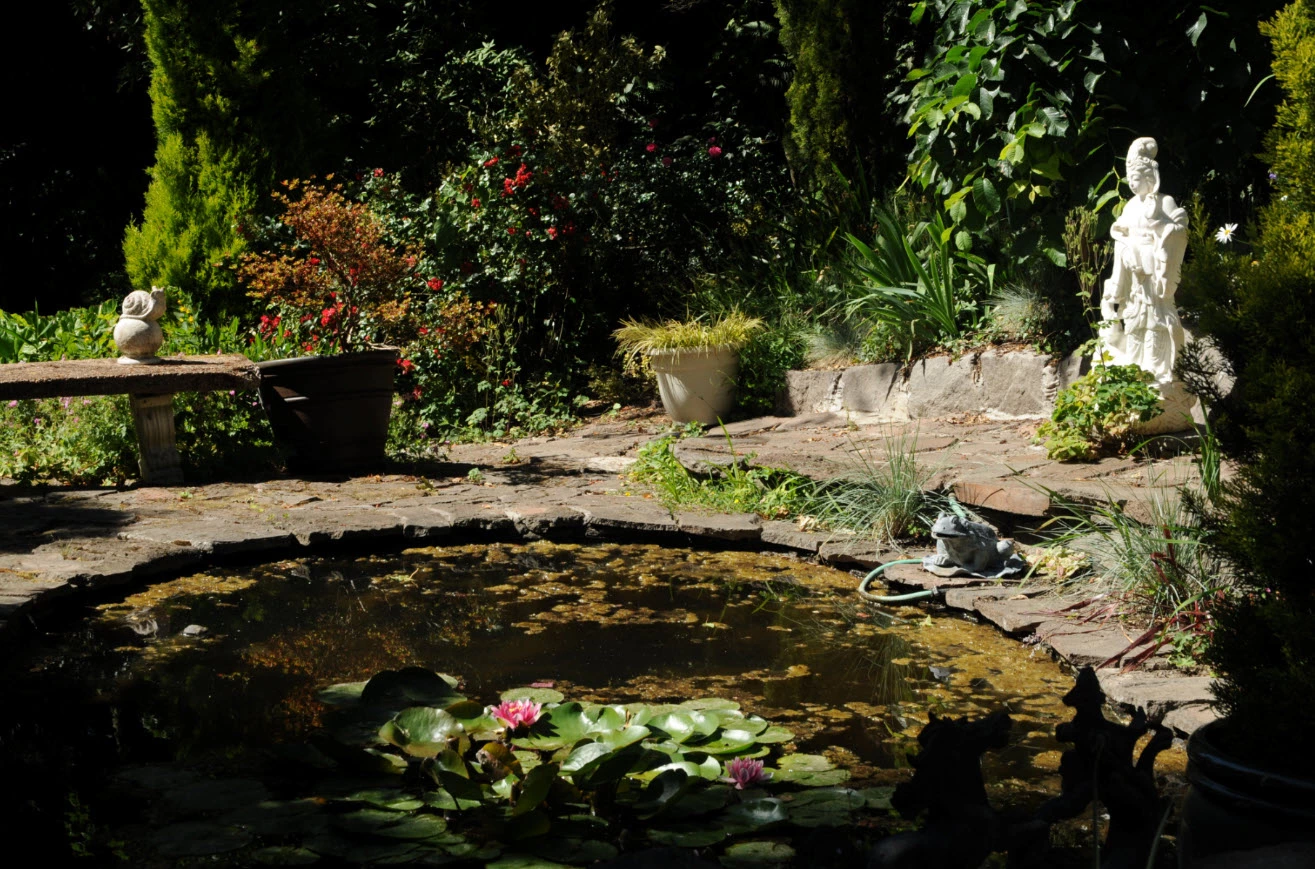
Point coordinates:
[[687, 837], [729, 742], [774, 733], [344, 694], [199, 839], [583, 755], [878, 798], [443, 800], [678, 725], [825, 807], [537, 784], [523, 861], [710, 703], [534, 695], [393, 799], [285, 855], [810, 770], [421, 731], [278, 817], [574, 850], [218, 795], [757, 854], [755, 815], [410, 686], [558, 727]]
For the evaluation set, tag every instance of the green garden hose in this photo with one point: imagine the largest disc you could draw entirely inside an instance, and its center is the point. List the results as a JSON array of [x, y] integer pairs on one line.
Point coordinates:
[[893, 598]]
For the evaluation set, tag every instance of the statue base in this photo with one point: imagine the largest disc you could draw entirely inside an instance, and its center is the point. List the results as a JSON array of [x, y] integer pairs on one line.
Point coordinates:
[[1178, 404], [149, 360]]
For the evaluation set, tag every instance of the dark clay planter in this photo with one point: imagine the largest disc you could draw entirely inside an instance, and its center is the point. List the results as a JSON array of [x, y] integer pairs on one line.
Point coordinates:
[[331, 410], [1234, 806]]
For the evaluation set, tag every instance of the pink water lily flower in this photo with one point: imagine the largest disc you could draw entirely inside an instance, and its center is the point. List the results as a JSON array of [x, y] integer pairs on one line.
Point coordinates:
[[517, 713], [743, 772]]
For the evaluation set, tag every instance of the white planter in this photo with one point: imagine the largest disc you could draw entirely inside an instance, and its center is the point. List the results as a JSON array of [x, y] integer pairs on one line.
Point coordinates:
[[696, 385]]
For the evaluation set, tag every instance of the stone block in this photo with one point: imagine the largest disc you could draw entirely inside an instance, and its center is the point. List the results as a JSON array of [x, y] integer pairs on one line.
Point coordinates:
[[1012, 385], [808, 392], [535, 521], [1084, 645], [967, 598], [1186, 720], [846, 551], [1158, 693], [478, 518], [211, 535], [316, 524], [787, 534], [876, 389], [739, 527], [1005, 497], [1014, 616], [612, 514]]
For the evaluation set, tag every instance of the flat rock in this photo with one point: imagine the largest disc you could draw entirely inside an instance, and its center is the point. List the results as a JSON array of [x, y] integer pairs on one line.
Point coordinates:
[[317, 523], [1004, 497], [1014, 616], [1186, 720], [1084, 645], [612, 513], [808, 392], [967, 598], [534, 521], [1158, 693], [218, 535], [849, 550], [914, 576], [778, 533], [738, 527]]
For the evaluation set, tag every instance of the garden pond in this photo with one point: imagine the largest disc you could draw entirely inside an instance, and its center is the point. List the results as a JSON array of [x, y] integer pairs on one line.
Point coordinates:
[[290, 713]]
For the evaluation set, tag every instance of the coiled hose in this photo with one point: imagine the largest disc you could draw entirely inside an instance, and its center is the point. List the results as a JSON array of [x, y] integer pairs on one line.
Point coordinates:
[[893, 598]]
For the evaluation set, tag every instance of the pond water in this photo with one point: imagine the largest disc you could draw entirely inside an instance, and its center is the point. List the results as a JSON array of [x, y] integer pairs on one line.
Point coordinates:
[[196, 697]]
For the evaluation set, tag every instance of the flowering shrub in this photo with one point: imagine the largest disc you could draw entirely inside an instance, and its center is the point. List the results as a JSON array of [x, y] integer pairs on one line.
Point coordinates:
[[338, 281]]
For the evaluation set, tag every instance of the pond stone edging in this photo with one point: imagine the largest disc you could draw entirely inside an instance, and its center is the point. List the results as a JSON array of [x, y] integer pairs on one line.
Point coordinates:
[[99, 540]]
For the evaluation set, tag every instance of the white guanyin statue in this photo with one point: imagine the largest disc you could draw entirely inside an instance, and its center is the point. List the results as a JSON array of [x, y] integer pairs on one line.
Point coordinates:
[[1141, 320]]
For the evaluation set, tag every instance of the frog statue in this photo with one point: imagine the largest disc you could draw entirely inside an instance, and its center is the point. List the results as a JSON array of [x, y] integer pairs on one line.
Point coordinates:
[[966, 548]]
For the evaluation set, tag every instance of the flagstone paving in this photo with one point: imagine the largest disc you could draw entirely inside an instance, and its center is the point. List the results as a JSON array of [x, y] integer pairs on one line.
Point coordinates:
[[62, 541]]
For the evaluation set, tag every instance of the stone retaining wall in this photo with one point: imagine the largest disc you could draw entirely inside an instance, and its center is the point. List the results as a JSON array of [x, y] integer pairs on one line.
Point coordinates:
[[1016, 384]]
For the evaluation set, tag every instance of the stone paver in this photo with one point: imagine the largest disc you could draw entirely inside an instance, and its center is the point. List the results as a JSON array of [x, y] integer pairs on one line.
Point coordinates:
[[56, 541]]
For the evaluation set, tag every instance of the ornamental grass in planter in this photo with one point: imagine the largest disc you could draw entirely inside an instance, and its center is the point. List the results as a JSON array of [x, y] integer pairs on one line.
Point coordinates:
[[695, 362], [360, 306]]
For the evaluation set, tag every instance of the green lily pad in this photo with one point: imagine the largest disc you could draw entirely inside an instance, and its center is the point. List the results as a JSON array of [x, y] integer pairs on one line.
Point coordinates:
[[558, 727], [687, 837], [285, 855], [583, 755], [620, 738], [344, 694], [443, 800], [393, 799], [465, 710], [421, 731], [537, 784], [410, 686], [757, 854], [710, 703], [825, 807], [278, 817], [878, 798], [678, 725], [606, 718], [218, 795], [534, 695], [774, 734], [523, 861], [199, 839], [569, 850], [810, 770], [754, 815], [729, 742]]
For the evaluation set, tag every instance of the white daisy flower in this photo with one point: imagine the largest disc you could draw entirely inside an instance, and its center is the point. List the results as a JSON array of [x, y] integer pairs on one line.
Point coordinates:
[[1225, 233]]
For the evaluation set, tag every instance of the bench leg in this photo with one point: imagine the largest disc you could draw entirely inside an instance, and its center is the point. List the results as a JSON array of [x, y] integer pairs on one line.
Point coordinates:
[[153, 416]]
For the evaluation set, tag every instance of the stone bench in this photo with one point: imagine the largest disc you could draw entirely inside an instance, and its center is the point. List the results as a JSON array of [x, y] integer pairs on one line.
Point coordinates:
[[150, 389]]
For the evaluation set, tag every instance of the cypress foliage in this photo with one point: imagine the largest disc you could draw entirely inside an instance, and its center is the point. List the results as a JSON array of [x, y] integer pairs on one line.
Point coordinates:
[[844, 57], [229, 120]]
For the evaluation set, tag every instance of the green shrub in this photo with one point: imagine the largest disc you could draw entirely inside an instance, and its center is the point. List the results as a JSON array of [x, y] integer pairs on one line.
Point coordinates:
[[1096, 414], [1257, 311]]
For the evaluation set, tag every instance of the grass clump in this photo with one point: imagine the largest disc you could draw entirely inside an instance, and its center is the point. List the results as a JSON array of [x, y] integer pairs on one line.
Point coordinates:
[[887, 500], [637, 338], [773, 493]]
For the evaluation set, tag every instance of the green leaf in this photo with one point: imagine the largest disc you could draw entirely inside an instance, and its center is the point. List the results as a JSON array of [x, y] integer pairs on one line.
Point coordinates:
[[536, 787], [757, 854], [1194, 32], [775, 734], [534, 695], [410, 686], [687, 837], [985, 196], [421, 731], [558, 727], [755, 815], [964, 86], [729, 742], [583, 755]]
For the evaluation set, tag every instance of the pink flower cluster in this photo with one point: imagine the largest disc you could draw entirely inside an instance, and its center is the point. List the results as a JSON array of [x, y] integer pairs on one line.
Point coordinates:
[[518, 713]]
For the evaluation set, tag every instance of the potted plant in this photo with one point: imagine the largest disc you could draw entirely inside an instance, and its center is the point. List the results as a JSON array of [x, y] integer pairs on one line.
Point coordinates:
[[1252, 773], [695, 361], [349, 298]]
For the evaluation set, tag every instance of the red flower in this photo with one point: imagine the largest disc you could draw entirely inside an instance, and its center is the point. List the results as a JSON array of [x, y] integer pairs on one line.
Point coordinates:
[[514, 151], [651, 147], [434, 284], [508, 187], [424, 330], [714, 151], [528, 233], [314, 260], [552, 231], [712, 140], [666, 161], [378, 173], [406, 365], [511, 230], [474, 203], [506, 383], [492, 161]]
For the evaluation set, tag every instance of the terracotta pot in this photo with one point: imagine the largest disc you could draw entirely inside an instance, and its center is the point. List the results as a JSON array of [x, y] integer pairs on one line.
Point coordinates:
[[331, 410], [1234, 806], [696, 385]]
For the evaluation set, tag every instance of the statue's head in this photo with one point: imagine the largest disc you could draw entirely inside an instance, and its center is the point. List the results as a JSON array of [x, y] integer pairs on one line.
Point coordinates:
[[1143, 171]]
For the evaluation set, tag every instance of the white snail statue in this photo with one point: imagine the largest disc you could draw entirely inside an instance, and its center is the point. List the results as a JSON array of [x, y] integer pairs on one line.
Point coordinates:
[[137, 334]]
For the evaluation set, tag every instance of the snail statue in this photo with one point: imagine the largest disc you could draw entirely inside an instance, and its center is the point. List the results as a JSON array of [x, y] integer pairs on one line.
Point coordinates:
[[137, 333]]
